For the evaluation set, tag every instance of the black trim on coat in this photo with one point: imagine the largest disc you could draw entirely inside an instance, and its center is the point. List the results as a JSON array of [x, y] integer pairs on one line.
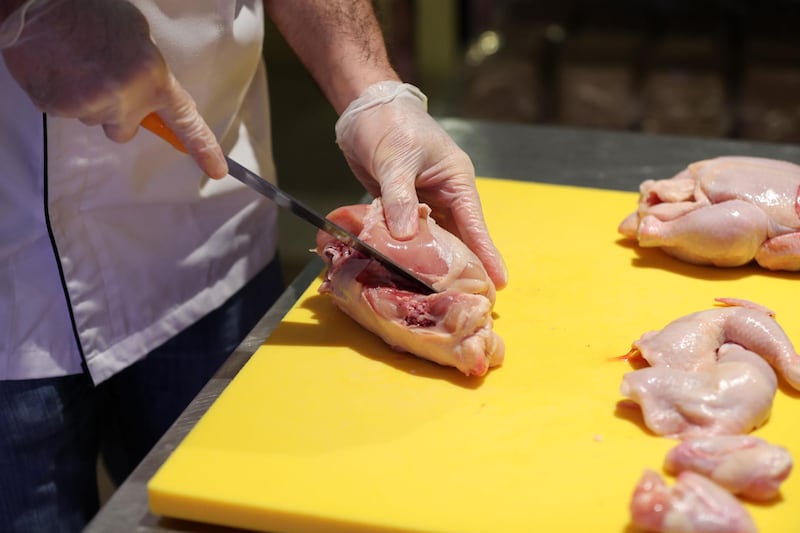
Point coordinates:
[[56, 254]]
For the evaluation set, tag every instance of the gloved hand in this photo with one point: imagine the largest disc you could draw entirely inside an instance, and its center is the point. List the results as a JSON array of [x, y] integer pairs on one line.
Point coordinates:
[[399, 152], [94, 60]]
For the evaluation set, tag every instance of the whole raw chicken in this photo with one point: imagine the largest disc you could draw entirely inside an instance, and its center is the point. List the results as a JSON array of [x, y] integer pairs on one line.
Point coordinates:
[[452, 327], [725, 212]]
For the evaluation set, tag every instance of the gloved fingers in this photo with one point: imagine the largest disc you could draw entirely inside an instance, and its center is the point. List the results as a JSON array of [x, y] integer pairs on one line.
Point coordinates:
[[491, 258], [179, 112], [468, 218], [389, 139], [400, 207], [397, 161], [118, 114], [456, 206], [91, 119], [376, 131], [95, 60], [119, 133], [400, 201]]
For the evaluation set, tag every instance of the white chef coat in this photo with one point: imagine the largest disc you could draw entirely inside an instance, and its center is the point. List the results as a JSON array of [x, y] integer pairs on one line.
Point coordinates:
[[108, 250]]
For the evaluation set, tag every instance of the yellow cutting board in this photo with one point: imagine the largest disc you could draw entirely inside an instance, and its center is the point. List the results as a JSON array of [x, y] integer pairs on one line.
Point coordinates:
[[326, 429]]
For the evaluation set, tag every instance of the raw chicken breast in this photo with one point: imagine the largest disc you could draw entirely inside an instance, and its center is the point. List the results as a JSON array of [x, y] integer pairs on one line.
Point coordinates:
[[733, 396], [452, 327], [690, 343], [692, 504], [725, 211], [742, 464]]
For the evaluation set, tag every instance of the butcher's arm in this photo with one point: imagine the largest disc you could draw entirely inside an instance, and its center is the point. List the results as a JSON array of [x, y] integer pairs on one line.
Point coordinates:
[[397, 150], [347, 53]]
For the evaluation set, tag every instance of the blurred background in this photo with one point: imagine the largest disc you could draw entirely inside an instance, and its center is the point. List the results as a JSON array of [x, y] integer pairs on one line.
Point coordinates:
[[681, 67]]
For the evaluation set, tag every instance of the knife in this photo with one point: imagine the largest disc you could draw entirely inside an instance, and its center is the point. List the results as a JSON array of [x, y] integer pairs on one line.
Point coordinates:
[[156, 124]]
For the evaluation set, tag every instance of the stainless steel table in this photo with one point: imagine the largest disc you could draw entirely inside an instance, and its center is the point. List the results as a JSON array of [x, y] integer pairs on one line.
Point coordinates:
[[608, 160]]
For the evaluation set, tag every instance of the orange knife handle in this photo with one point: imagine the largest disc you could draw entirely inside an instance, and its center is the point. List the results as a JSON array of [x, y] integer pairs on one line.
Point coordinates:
[[156, 124]]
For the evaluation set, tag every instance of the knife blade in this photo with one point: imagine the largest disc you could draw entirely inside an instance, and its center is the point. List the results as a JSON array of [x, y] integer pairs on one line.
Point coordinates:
[[155, 124]]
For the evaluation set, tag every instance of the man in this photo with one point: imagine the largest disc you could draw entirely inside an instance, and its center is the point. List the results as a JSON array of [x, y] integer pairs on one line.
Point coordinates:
[[127, 276]]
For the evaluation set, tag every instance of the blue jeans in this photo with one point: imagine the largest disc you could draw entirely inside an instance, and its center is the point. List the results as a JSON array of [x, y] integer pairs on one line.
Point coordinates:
[[52, 430]]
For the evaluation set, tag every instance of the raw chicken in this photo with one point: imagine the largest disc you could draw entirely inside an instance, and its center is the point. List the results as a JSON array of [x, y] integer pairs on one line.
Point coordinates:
[[732, 396], [452, 327], [692, 504], [725, 211], [743, 464], [690, 343]]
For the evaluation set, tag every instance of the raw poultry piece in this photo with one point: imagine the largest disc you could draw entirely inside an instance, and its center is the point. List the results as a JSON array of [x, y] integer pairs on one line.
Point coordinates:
[[692, 504], [744, 465], [452, 327], [691, 343], [732, 396], [725, 211]]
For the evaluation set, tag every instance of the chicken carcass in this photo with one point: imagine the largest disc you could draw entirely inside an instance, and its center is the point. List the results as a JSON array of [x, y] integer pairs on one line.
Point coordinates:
[[743, 464], [725, 211], [692, 504], [691, 343], [731, 397], [452, 327]]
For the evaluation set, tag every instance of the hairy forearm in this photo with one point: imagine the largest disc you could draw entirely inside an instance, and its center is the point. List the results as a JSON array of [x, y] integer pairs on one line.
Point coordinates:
[[339, 41]]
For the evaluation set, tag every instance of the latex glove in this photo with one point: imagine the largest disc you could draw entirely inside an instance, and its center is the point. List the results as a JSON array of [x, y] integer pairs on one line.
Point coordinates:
[[399, 152], [94, 60]]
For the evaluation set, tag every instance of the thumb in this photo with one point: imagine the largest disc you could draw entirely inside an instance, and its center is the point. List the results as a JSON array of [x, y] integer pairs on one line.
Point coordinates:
[[400, 208], [180, 114]]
